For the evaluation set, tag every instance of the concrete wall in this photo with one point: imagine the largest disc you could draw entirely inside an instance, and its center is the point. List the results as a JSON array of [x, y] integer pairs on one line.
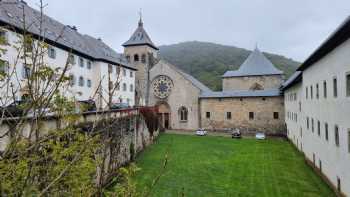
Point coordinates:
[[331, 110], [240, 108], [184, 93], [246, 82]]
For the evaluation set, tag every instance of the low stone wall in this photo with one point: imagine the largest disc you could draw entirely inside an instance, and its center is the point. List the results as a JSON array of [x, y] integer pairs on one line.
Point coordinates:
[[124, 133]]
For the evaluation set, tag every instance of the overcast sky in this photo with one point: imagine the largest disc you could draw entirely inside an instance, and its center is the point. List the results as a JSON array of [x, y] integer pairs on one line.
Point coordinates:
[[293, 28]]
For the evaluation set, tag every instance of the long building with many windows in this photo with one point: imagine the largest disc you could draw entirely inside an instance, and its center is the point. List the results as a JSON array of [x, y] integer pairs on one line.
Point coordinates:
[[95, 67], [317, 106]]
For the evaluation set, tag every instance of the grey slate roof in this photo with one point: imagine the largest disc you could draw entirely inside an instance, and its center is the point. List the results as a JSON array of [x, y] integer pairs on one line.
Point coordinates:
[[296, 77], [190, 78], [256, 64], [241, 93], [11, 14], [140, 37]]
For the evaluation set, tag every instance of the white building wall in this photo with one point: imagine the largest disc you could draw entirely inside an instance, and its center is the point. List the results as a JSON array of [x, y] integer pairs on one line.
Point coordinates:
[[331, 110], [98, 72]]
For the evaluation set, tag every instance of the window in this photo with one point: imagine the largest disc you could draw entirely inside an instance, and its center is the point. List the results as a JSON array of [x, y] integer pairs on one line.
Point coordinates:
[[117, 70], [88, 65], [183, 113], [3, 36], [335, 88], [131, 74], [326, 131], [320, 165], [228, 115], [275, 115], [131, 88], [128, 58], [124, 72], [312, 125], [71, 80], [336, 135], [251, 115], [4, 66], [208, 115], [307, 123], [124, 86], [81, 81], [26, 72], [28, 44], [88, 83], [110, 68], [317, 91], [136, 58], [81, 62], [71, 59], [307, 92], [311, 92], [143, 58], [300, 106], [348, 85], [325, 89], [349, 140], [318, 128], [51, 52], [301, 132]]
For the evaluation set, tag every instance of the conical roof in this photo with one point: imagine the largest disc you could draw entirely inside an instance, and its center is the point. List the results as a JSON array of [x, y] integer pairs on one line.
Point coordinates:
[[140, 37], [256, 64]]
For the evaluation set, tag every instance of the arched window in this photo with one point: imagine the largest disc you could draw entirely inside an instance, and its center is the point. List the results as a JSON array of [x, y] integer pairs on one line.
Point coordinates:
[[81, 81], [183, 113], [131, 88], [256, 86], [136, 58], [143, 58]]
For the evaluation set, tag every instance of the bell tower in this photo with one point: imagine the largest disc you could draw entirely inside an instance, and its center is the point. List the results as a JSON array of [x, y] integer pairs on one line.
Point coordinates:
[[140, 51]]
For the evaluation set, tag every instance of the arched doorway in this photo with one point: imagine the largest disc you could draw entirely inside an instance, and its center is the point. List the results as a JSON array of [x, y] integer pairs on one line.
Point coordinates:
[[164, 114]]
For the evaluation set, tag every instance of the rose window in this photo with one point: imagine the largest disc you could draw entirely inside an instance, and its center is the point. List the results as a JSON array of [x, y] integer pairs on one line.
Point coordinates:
[[162, 86]]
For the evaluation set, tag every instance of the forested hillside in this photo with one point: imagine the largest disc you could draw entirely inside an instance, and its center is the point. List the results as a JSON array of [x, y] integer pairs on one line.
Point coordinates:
[[208, 61]]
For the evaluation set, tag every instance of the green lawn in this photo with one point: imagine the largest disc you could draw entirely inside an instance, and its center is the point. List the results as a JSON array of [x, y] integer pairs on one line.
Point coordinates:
[[218, 166]]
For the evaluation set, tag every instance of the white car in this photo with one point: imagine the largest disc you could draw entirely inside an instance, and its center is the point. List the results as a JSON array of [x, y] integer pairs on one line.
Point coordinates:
[[260, 136], [201, 132]]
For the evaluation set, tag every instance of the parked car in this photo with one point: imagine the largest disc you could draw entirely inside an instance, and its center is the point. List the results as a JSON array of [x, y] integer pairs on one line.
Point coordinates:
[[14, 109], [260, 136], [87, 105], [236, 134], [201, 132], [120, 106]]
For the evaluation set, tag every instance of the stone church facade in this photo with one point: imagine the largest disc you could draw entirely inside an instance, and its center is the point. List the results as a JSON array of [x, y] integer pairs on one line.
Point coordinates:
[[250, 100]]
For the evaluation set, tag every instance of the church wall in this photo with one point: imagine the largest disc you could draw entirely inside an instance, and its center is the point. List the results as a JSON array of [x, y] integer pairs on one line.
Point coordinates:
[[182, 94], [263, 114], [246, 82]]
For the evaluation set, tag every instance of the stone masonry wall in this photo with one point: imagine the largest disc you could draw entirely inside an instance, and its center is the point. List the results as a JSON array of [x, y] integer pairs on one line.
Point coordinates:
[[263, 114], [245, 83]]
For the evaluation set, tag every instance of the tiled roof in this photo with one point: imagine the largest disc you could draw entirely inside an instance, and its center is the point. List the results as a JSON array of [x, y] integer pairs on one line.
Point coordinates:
[[140, 37], [241, 93], [256, 64], [11, 14]]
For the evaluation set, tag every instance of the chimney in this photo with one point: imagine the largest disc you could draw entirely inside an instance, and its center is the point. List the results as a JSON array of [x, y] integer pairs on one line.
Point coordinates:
[[75, 28]]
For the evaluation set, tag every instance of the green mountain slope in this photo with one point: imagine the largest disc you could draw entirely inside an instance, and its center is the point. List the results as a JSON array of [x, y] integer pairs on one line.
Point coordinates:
[[208, 61]]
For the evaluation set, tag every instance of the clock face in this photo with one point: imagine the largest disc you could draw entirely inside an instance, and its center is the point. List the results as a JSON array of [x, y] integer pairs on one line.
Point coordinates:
[[162, 86]]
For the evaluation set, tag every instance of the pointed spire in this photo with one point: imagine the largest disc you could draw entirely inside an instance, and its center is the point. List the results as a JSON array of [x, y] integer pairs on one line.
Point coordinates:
[[140, 21]]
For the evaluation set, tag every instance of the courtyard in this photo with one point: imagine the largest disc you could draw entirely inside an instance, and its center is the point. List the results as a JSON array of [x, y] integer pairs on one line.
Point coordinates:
[[220, 166]]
